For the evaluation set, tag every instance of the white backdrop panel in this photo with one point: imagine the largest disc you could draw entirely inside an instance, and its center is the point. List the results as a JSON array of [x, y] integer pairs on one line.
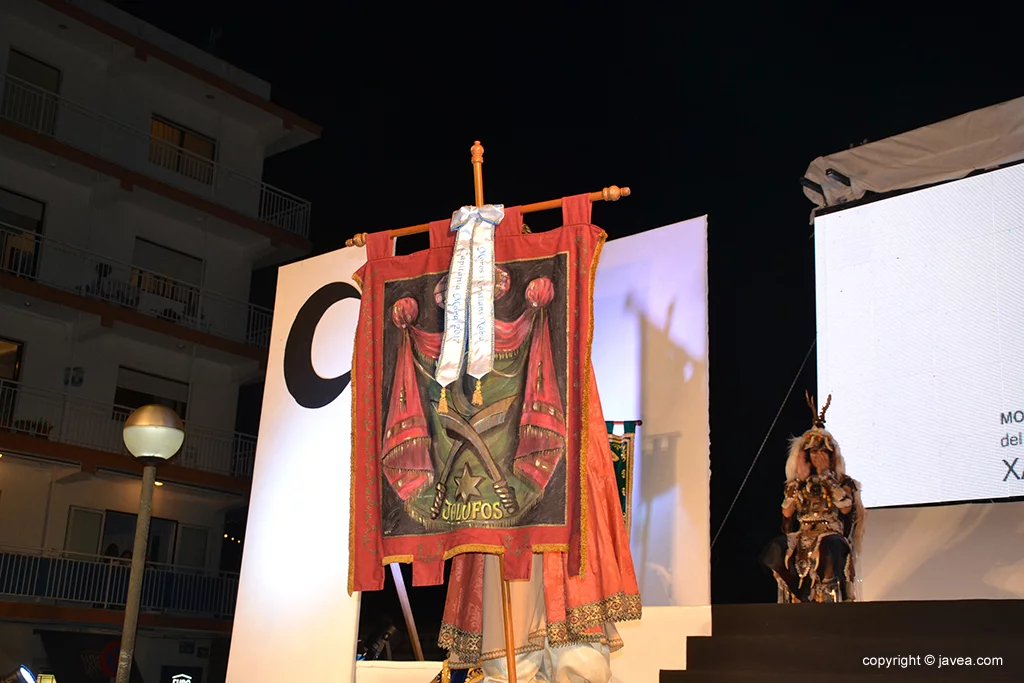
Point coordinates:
[[947, 552], [293, 611], [650, 354]]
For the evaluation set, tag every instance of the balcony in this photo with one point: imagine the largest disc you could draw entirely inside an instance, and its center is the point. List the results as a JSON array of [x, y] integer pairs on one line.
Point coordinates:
[[101, 136], [57, 417], [33, 257], [71, 579]]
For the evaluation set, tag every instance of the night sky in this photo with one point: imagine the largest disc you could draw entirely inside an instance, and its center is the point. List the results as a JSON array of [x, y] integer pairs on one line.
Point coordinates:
[[716, 109]]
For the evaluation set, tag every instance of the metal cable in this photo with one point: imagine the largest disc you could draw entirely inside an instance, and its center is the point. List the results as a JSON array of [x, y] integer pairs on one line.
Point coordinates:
[[772, 427]]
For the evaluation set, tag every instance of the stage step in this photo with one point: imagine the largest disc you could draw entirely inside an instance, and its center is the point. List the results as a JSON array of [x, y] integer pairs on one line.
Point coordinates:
[[775, 653], [806, 642], [969, 617], [826, 676]]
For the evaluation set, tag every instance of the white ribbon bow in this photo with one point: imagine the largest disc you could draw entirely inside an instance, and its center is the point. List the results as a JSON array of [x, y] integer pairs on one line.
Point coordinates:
[[469, 299]]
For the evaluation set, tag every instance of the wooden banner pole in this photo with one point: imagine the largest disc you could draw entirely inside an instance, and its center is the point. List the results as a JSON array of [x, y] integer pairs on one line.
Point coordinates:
[[506, 608], [477, 157], [403, 599], [612, 193]]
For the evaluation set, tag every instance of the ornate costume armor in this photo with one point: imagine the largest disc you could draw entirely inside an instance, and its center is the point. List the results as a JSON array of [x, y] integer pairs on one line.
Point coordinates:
[[815, 560]]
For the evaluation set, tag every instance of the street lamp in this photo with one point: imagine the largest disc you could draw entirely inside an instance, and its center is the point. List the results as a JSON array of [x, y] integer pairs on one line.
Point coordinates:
[[19, 675], [153, 434]]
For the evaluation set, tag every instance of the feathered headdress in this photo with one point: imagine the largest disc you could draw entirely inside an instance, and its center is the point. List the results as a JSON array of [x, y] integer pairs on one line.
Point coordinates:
[[818, 436], [815, 437], [819, 418]]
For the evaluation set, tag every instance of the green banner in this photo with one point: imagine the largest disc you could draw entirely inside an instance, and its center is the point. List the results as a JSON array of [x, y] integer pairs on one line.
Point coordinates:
[[622, 459]]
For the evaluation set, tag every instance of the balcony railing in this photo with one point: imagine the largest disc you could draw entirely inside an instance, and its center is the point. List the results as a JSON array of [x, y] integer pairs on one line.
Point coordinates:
[[91, 424], [34, 257], [102, 582], [52, 115]]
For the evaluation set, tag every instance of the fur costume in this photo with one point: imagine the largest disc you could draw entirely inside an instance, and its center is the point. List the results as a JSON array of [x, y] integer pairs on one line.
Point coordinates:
[[815, 561]]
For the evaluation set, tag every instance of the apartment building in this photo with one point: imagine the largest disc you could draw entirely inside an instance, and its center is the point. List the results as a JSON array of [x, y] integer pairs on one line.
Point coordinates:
[[132, 214]]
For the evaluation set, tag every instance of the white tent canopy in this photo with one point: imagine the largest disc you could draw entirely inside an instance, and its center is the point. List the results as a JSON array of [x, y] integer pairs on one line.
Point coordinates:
[[951, 149]]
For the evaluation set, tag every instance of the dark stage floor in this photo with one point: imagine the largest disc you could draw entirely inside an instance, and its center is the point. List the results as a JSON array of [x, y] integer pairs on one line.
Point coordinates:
[[855, 642]]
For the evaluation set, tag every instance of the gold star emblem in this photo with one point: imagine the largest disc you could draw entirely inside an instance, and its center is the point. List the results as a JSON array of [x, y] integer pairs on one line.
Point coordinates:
[[467, 485]]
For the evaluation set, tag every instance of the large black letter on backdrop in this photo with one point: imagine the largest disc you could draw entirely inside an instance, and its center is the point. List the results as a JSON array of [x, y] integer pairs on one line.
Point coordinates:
[[309, 389]]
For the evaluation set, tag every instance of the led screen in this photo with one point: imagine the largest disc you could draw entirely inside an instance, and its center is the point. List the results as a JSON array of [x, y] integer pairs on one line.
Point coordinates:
[[920, 315]]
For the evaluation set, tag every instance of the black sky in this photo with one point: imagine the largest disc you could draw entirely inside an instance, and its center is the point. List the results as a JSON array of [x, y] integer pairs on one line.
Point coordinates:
[[710, 108]]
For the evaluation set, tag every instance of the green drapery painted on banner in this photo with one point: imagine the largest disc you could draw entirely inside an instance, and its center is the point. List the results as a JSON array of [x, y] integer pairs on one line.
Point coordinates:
[[622, 446]]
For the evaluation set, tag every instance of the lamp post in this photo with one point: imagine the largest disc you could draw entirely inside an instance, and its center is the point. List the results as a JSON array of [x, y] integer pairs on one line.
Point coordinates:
[[19, 675], [153, 434]]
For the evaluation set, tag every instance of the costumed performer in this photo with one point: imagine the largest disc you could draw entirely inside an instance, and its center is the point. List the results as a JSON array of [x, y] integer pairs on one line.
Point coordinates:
[[815, 561]]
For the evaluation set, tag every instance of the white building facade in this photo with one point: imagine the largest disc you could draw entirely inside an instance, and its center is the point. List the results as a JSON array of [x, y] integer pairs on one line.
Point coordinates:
[[132, 214]]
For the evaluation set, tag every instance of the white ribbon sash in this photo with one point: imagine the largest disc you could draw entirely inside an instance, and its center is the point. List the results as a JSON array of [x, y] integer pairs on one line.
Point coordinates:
[[469, 299]]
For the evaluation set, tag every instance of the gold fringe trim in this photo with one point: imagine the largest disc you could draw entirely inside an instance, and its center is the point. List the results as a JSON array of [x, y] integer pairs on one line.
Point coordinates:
[[400, 559], [521, 650], [614, 608], [585, 428], [474, 548], [442, 403], [454, 639], [469, 548], [478, 395], [551, 548]]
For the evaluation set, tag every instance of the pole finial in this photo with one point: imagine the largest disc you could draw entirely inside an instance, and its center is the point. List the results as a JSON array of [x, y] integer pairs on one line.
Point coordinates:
[[614, 193], [477, 151]]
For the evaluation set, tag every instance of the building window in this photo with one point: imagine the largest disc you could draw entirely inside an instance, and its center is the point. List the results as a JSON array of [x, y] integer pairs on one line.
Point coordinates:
[[10, 359], [85, 528], [30, 93], [21, 223], [10, 369], [119, 537], [179, 149], [192, 546], [112, 534], [136, 389], [171, 277]]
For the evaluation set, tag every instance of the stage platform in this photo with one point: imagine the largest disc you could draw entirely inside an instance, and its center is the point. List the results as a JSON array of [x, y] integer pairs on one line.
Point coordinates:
[[830, 643]]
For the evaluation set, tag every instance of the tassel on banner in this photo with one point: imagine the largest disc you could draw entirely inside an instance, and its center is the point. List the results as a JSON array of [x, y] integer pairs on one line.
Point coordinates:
[[478, 394], [442, 403]]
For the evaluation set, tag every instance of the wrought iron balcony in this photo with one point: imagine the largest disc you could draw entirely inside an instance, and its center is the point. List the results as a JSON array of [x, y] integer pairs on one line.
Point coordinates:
[[90, 131], [102, 582], [91, 424], [38, 258]]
